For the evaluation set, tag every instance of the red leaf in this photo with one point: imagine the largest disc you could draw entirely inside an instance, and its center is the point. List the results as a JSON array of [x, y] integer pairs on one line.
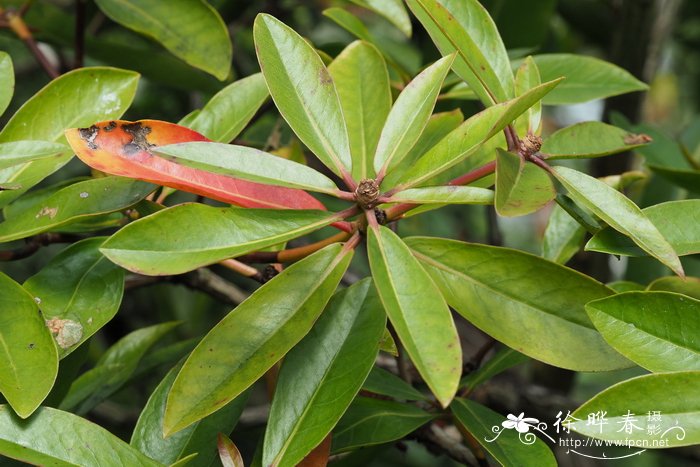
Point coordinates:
[[124, 148]]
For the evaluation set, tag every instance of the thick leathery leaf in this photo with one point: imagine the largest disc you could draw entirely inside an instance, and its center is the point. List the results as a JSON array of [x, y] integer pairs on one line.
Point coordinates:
[[409, 115], [76, 98], [526, 78], [374, 421], [445, 195], [590, 139], [200, 438], [689, 286], [230, 110], [657, 330], [171, 241], [75, 202], [509, 447], [246, 163], [53, 437], [78, 291], [7, 78], [113, 369], [322, 374], [673, 397], [393, 10], [362, 81], [418, 312], [465, 26], [587, 78], [670, 218], [192, 30], [246, 343], [468, 137], [22, 152], [530, 304], [620, 213], [627, 286], [125, 148], [504, 359], [563, 237], [28, 357], [521, 187], [303, 91], [380, 381], [229, 455]]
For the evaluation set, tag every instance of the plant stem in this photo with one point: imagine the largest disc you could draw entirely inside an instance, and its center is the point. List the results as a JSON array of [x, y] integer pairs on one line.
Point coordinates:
[[19, 27], [242, 269], [292, 254]]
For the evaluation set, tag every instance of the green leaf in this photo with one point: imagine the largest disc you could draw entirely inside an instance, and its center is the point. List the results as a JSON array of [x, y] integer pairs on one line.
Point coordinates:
[[380, 381], [387, 344], [373, 421], [526, 78], [73, 203], [248, 164], [505, 445], [674, 396], [322, 374], [22, 152], [590, 139], [200, 438], [246, 343], [521, 187], [627, 286], [671, 219], [230, 110], [689, 286], [170, 241], [409, 115], [445, 195], [78, 291], [657, 330], [362, 81], [113, 369], [418, 312], [620, 213], [393, 10], [303, 91], [686, 179], [28, 357], [501, 292], [228, 452], [53, 437], [587, 78], [468, 137], [563, 236], [192, 30], [7, 78], [349, 22], [504, 359], [465, 26], [75, 99]]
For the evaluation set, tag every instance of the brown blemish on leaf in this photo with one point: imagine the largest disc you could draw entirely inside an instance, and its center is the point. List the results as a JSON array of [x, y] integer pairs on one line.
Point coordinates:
[[324, 77], [66, 332], [47, 211], [139, 141], [110, 126], [89, 135], [633, 139]]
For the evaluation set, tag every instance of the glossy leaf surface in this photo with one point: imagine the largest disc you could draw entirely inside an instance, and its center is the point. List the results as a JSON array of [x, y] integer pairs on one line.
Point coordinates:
[[657, 330], [362, 80], [28, 357], [53, 437], [246, 343], [171, 241], [190, 29], [527, 77], [79, 291], [620, 213], [689, 286], [590, 139], [75, 202], [445, 195], [501, 291], [126, 149], [303, 91], [380, 381], [7, 78], [521, 187], [418, 312], [323, 373], [22, 152], [675, 396]]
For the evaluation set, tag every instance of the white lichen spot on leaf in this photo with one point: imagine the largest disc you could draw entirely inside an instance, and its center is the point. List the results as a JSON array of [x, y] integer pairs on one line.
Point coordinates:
[[47, 211], [66, 332]]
